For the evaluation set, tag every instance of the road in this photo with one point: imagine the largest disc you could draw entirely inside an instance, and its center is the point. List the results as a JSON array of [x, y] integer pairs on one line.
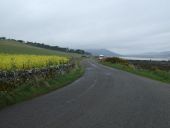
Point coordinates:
[[102, 98]]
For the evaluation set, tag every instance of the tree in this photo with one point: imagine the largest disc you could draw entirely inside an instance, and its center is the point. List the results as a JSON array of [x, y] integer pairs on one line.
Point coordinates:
[[2, 38]]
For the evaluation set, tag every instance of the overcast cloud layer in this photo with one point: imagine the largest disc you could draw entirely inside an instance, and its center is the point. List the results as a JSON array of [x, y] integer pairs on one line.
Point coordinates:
[[123, 26]]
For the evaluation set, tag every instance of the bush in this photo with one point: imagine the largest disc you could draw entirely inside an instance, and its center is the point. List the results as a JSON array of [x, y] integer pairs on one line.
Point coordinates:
[[116, 60]]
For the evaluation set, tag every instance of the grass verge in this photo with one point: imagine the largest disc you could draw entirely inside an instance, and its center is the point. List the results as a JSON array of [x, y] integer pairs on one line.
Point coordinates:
[[38, 87], [163, 76]]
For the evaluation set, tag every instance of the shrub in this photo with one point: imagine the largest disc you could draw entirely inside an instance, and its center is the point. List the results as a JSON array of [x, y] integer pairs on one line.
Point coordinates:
[[116, 60]]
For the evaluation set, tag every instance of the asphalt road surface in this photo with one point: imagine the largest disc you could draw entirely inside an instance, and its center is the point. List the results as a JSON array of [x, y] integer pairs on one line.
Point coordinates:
[[102, 98]]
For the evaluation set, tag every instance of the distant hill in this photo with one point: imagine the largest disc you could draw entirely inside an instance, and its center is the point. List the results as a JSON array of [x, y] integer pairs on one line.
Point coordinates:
[[105, 52], [165, 54], [14, 47]]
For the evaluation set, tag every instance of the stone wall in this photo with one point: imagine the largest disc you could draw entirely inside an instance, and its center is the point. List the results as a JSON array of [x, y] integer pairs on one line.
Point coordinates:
[[11, 79]]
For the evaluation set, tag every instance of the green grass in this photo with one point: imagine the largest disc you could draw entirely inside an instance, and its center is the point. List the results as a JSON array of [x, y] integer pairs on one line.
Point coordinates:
[[38, 87], [159, 75], [13, 47]]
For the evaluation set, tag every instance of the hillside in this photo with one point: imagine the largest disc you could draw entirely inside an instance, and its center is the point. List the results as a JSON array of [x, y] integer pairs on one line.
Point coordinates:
[[13, 47], [104, 52]]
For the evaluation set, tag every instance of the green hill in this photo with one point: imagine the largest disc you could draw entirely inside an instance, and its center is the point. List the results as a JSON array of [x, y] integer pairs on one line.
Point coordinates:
[[13, 47]]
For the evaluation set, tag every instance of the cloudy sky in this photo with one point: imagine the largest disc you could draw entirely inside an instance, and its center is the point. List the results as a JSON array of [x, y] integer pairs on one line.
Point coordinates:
[[123, 26]]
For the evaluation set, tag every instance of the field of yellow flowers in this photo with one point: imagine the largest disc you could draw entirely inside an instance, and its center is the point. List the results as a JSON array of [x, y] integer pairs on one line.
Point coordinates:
[[20, 62]]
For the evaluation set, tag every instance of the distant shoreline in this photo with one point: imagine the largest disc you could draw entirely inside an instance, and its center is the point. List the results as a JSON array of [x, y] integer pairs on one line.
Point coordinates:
[[144, 58]]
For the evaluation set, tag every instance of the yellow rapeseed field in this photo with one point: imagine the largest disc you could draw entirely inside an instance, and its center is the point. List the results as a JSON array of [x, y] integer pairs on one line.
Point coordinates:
[[11, 62]]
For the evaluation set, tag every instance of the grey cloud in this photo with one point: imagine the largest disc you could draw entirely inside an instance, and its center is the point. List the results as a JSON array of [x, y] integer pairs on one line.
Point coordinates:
[[125, 26]]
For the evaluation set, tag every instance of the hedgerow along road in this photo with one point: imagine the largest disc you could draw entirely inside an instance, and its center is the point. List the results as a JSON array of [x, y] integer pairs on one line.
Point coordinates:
[[102, 98]]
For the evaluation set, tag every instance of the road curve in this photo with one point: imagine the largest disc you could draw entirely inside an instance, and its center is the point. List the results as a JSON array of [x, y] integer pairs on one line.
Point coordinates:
[[102, 98]]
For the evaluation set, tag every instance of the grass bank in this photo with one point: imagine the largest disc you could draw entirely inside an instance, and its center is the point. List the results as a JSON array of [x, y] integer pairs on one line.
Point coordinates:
[[163, 76], [14, 47], [38, 87]]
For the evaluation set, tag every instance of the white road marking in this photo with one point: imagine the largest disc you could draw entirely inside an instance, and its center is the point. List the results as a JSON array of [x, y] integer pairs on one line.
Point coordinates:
[[90, 87], [87, 90]]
